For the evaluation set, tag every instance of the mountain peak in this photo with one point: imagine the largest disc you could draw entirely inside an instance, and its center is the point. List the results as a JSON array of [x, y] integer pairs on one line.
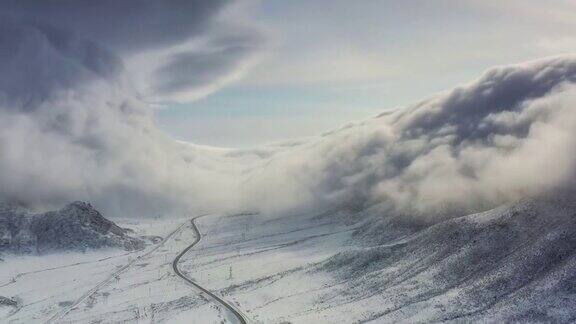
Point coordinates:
[[77, 226]]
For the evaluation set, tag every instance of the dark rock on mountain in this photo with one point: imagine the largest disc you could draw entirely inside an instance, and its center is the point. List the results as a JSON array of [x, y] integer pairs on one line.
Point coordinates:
[[77, 226]]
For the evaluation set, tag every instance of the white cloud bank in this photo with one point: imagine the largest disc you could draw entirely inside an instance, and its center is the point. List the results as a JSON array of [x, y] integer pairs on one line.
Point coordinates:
[[508, 134], [73, 126]]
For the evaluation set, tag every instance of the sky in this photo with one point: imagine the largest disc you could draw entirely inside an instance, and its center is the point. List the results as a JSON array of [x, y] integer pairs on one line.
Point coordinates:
[[85, 85], [322, 64]]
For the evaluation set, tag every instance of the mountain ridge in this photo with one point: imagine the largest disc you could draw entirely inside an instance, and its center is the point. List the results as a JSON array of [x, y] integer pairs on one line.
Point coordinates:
[[77, 226]]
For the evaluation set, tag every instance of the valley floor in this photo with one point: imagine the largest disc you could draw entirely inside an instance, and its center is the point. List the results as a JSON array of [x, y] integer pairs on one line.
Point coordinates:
[[262, 267], [511, 264]]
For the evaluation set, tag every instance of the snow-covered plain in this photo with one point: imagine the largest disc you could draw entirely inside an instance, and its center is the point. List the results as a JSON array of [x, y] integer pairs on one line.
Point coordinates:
[[239, 258], [45, 286], [514, 263]]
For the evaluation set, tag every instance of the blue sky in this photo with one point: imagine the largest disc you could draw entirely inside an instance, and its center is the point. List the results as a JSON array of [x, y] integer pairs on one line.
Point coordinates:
[[330, 62]]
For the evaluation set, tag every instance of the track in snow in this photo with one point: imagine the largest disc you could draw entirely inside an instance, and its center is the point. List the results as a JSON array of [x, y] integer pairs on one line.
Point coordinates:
[[58, 316]]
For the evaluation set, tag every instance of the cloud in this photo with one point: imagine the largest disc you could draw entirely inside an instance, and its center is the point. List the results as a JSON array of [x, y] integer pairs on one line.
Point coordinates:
[[38, 60], [73, 126], [222, 59], [125, 26], [504, 136], [189, 47]]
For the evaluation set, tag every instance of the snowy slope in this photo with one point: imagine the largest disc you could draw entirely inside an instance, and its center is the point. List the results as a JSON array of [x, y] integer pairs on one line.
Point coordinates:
[[512, 263], [515, 263]]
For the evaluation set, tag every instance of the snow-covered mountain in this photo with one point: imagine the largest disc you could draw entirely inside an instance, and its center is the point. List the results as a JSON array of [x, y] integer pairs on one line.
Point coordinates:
[[77, 226], [514, 263]]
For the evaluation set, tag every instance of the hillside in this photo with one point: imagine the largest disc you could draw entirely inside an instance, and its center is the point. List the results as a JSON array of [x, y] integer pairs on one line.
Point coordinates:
[[77, 226]]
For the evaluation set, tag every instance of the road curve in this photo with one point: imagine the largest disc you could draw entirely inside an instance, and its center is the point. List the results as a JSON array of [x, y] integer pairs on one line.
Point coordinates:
[[241, 318]]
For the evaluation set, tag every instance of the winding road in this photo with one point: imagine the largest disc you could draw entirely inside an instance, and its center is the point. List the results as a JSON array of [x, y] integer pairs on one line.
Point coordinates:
[[241, 318]]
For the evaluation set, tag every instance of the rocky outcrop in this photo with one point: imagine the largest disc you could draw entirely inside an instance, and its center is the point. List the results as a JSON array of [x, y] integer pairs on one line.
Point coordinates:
[[77, 226]]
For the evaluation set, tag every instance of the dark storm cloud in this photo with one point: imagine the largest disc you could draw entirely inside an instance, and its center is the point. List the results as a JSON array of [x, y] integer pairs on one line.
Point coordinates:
[[37, 60], [122, 25], [139, 27]]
